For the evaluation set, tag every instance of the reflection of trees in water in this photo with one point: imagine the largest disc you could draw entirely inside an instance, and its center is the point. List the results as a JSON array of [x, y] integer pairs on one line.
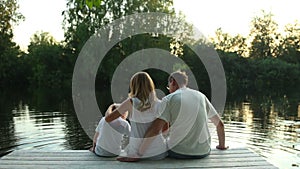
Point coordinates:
[[269, 116], [59, 104], [46, 105], [262, 116], [264, 105], [8, 103], [299, 111], [74, 134]]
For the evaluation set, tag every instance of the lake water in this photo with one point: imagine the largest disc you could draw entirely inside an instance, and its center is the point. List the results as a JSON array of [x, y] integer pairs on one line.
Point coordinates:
[[268, 124]]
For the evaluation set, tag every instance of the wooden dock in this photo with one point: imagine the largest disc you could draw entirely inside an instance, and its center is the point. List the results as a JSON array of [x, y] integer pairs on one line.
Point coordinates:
[[242, 158]]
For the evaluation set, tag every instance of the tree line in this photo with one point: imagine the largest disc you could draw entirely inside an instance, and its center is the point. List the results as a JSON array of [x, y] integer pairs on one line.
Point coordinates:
[[263, 59]]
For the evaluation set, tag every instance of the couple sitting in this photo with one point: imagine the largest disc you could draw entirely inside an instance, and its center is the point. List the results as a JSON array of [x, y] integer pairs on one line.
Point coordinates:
[[182, 115]]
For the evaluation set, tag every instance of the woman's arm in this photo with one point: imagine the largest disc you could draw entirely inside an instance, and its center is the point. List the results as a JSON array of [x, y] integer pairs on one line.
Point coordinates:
[[122, 109]]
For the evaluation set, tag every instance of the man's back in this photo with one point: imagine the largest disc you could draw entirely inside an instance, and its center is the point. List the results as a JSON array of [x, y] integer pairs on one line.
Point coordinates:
[[185, 109]]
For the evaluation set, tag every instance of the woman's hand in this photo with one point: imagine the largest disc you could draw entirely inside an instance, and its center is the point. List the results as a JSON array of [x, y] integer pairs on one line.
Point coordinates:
[[132, 158], [222, 147], [110, 109]]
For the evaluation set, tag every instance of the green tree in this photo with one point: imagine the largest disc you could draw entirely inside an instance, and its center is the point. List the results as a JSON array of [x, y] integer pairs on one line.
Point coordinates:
[[291, 43], [10, 63], [264, 35], [84, 17], [273, 73], [9, 16], [47, 61], [227, 43]]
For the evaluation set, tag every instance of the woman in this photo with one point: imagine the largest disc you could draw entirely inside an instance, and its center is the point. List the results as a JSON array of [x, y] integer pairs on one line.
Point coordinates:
[[142, 107]]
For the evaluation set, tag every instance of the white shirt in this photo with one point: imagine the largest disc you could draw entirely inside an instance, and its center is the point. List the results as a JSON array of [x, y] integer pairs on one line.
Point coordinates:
[[188, 111], [110, 136], [140, 122]]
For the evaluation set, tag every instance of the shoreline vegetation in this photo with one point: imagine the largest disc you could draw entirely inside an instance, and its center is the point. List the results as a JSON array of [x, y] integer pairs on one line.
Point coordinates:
[[265, 59]]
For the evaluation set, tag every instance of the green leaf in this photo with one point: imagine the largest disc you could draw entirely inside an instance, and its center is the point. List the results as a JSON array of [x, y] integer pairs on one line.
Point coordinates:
[[97, 3], [89, 3]]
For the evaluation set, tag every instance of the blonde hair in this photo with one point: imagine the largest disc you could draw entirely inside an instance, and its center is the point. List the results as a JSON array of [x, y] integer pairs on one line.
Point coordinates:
[[142, 87]]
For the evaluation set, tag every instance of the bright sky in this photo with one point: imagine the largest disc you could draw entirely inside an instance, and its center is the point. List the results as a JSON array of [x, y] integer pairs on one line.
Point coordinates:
[[233, 16], [40, 15]]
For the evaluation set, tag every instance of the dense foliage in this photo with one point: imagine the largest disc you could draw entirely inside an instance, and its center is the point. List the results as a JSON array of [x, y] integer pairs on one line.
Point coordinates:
[[10, 64], [263, 59]]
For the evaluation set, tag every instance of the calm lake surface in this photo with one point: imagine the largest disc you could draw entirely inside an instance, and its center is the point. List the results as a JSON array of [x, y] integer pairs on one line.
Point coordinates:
[[268, 124]]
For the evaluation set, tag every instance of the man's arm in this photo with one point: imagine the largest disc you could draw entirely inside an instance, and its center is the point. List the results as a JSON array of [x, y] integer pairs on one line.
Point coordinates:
[[220, 131], [152, 131]]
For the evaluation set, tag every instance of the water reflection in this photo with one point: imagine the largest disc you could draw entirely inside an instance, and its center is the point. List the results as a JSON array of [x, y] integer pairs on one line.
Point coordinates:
[[299, 111], [7, 128], [34, 129], [74, 134], [266, 124], [41, 120]]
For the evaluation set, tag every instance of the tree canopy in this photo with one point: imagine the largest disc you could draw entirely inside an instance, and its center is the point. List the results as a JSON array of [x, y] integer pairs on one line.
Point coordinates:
[[265, 58], [10, 65], [83, 17]]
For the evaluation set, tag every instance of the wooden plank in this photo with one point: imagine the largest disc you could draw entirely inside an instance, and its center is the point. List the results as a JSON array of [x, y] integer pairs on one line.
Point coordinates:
[[94, 157], [91, 156], [214, 151], [116, 164], [120, 167], [175, 163], [232, 158], [81, 153]]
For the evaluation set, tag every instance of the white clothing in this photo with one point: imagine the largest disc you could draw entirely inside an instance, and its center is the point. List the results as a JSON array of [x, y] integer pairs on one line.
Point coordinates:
[[110, 136], [140, 122], [188, 111]]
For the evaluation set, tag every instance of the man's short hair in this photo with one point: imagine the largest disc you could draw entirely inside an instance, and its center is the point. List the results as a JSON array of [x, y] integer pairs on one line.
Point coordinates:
[[180, 77]]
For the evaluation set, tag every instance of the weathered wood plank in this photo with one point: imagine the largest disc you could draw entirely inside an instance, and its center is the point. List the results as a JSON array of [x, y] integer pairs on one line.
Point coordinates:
[[186, 163], [214, 151], [94, 158], [124, 167], [81, 153], [233, 158]]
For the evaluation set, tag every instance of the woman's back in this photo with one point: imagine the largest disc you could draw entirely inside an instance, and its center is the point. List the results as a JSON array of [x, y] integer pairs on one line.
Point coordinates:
[[140, 122]]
